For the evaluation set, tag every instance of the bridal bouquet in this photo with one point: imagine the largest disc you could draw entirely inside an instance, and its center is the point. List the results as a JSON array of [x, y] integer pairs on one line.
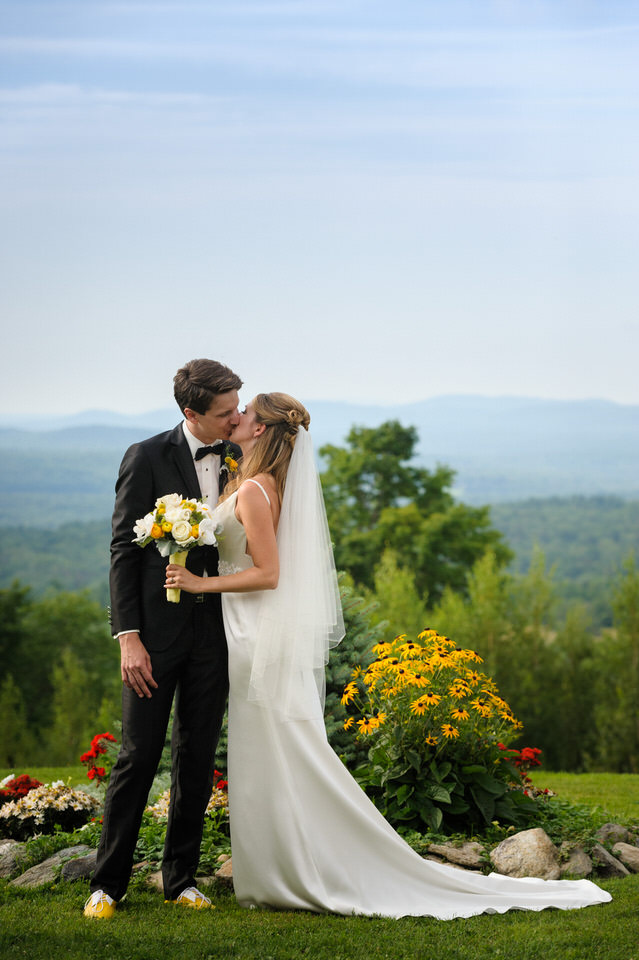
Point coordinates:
[[175, 525]]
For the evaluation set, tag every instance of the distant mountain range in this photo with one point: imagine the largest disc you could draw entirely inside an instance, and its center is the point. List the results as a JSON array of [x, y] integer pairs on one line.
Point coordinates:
[[503, 449]]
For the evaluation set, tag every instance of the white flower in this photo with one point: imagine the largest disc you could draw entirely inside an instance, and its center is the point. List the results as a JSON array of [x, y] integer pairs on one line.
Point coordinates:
[[142, 527], [181, 531], [207, 528], [170, 501], [175, 514]]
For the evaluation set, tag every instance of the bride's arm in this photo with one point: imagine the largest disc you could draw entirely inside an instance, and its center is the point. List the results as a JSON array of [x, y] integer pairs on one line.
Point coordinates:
[[259, 524]]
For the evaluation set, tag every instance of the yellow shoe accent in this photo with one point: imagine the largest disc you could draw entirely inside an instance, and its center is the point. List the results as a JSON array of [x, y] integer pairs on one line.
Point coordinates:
[[194, 898], [100, 905]]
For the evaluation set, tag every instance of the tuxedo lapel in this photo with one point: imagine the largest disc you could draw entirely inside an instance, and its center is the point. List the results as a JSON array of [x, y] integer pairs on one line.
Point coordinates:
[[184, 463]]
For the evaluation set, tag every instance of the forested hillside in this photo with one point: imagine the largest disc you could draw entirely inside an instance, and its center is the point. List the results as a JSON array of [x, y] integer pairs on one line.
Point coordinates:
[[585, 539], [560, 635]]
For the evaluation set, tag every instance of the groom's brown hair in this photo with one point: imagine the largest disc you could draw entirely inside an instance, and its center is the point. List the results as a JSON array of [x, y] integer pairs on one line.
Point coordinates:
[[198, 382]]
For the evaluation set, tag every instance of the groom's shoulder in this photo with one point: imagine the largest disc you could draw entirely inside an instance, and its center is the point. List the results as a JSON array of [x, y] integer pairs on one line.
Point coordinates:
[[155, 444]]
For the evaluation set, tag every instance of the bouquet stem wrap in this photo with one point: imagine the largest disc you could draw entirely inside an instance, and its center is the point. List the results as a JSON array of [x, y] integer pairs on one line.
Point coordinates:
[[179, 557]]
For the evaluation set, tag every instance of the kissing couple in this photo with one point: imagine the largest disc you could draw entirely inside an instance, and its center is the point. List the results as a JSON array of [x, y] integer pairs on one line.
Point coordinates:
[[256, 620]]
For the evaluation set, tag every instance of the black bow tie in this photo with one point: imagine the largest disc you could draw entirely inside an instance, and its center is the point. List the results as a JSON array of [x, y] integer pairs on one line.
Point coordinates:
[[217, 449]]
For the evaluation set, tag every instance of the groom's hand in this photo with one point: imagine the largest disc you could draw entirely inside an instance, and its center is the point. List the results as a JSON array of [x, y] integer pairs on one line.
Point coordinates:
[[135, 665]]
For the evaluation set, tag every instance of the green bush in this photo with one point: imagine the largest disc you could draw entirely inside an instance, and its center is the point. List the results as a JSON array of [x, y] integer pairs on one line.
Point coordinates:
[[434, 726]]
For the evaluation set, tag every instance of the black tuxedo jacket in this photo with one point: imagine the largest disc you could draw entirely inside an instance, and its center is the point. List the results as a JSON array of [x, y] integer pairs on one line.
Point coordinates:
[[153, 468]]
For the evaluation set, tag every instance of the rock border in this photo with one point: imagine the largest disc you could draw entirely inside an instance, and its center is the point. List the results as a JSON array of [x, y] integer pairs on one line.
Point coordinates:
[[529, 853]]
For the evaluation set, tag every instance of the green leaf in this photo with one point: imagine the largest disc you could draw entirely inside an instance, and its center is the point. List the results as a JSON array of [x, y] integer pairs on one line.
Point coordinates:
[[438, 793], [484, 803], [404, 792], [473, 768]]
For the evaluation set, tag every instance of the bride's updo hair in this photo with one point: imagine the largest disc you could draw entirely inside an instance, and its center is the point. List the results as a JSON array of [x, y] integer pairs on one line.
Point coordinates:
[[283, 416]]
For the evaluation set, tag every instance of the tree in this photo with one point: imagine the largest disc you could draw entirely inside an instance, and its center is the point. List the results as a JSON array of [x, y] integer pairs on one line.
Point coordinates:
[[617, 701], [73, 708], [399, 603], [376, 499], [16, 742]]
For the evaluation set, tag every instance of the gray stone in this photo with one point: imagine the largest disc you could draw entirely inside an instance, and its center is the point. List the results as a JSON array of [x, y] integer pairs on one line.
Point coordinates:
[[577, 863], [155, 880], [628, 854], [80, 868], [530, 853], [46, 871], [466, 855], [606, 865], [225, 873], [612, 833], [12, 854]]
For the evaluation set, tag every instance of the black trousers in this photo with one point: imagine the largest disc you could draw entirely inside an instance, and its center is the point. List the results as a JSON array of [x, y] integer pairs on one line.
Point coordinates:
[[194, 671]]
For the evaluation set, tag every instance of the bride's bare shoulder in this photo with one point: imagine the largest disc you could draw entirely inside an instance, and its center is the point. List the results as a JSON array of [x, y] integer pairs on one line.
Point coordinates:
[[263, 480]]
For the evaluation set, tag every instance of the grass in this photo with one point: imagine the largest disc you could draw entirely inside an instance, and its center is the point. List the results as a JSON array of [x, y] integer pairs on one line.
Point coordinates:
[[76, 774], [617, 793], [47, 924]]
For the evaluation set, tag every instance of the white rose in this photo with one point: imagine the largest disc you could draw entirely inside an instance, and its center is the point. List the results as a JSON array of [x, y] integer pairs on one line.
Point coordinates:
[[181, 531], [207, 532], [170, 501], [175, 514]]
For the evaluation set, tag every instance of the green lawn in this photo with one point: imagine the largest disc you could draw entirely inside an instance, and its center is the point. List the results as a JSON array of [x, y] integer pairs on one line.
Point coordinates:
[[48, 925], [617, 793], [75, 775]]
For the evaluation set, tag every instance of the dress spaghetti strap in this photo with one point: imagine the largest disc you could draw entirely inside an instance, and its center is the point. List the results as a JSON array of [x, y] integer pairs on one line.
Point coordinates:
[[258, 484]]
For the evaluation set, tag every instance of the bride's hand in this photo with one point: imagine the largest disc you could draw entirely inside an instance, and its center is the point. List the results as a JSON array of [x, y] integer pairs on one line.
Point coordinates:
[[179, 578]]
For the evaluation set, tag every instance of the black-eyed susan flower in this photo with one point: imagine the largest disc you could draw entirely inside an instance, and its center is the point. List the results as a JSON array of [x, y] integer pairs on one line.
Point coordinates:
[[410, 650], [482, 706], [450, 732], [424, 702], [382, 649], [350, 691], [348, 723], [460, 714], [430, 740], [367, 725]]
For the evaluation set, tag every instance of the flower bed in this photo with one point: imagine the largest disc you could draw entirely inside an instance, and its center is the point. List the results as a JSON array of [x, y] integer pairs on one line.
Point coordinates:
[[45, 808]]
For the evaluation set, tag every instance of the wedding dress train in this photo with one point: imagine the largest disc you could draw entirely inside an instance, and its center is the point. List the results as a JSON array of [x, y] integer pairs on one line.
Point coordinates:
[[305, 836]]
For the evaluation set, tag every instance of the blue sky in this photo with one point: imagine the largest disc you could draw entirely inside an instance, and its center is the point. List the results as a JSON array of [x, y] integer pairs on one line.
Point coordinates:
[[360, 201]]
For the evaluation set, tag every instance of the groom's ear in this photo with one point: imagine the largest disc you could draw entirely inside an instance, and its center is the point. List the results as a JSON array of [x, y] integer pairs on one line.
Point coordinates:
[[190, 415]]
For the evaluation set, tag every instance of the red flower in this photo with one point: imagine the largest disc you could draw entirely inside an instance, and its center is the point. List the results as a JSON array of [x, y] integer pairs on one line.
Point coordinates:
[[91, 773], [100, 771]]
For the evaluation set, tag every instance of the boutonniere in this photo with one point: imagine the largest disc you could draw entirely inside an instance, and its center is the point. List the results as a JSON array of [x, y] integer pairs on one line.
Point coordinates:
[[229, 462]]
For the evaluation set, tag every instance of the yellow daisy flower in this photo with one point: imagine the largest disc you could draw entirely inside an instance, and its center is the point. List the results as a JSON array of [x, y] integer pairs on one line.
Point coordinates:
[[367, 725], [460, 714], [348, 723], [382, 649], [430, 740], [451, 733], [349, 693]]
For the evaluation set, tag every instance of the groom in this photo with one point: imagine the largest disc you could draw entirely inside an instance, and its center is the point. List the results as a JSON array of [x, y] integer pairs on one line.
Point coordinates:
[[170, 652]]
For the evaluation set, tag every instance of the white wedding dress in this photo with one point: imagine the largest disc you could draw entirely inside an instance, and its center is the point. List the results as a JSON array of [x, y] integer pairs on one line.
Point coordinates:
[[304, 835]]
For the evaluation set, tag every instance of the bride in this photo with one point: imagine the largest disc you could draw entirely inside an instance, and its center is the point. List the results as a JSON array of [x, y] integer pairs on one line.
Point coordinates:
[[303, 833]]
